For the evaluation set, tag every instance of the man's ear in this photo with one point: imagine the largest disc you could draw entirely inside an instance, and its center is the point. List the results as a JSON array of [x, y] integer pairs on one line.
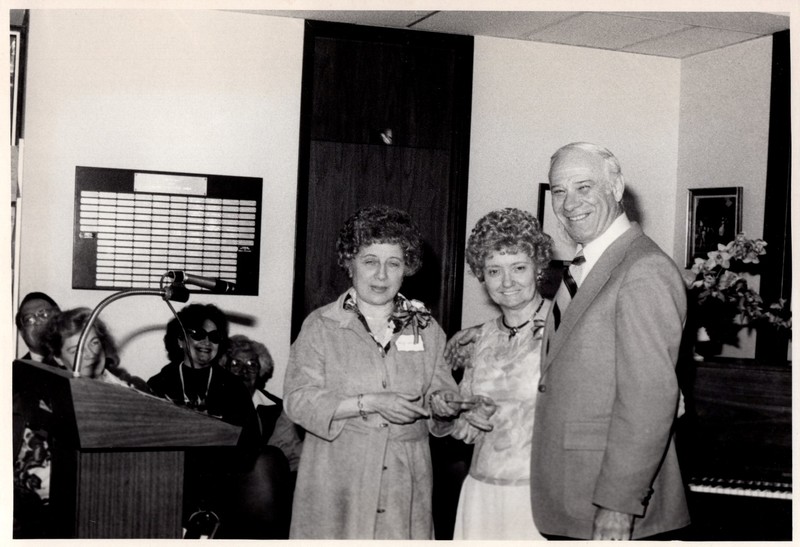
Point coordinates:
[[618, 188]]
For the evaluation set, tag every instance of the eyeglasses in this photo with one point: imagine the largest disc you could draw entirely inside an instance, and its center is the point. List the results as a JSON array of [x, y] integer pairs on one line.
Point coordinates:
[[237, 366], [39, 316], [200, 334]]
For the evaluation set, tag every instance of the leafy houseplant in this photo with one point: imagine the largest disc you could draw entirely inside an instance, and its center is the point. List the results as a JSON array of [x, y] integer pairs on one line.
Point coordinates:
[[721, 301]]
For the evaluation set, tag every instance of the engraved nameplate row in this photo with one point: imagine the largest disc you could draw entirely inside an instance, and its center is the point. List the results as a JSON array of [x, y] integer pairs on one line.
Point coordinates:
[[130, 238], [140, 236]]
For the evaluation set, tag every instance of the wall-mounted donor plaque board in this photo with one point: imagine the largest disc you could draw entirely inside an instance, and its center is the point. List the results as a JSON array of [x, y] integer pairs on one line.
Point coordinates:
[[133, 226]]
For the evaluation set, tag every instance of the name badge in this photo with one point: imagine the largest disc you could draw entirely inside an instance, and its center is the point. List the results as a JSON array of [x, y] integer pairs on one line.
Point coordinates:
[[405, 342]]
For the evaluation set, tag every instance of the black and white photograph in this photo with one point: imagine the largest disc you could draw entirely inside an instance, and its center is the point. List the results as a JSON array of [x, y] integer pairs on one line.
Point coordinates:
[[714, 218], [369, 271]]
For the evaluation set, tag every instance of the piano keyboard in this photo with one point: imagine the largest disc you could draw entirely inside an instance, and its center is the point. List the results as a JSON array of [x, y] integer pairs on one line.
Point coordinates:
[[738, 487]]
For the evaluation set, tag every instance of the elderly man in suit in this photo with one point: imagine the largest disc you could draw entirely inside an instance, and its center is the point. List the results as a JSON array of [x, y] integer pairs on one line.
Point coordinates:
[[603, 462]]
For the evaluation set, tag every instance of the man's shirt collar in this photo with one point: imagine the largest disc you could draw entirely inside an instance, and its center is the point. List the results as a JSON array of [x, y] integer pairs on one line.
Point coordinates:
[[595, 248]]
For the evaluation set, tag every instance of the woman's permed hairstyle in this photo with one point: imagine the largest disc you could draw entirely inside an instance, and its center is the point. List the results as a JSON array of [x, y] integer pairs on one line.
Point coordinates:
[[70, 322], [508, 231], [380, 224], [266, 365], [193, 316]]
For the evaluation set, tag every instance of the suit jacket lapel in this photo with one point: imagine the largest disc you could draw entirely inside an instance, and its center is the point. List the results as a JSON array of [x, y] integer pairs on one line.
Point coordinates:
[[589, 289]]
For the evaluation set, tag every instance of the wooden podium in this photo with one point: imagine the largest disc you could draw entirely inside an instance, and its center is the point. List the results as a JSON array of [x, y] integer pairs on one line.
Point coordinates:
[[117, 454]]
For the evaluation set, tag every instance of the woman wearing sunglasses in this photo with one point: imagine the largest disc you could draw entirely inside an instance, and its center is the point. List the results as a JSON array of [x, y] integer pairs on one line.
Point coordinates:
[[220, 482], [195, 341]]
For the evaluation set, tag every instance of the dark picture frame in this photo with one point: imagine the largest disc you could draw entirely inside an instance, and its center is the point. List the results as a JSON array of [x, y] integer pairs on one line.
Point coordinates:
[[16, 51], [714, 216], [563, 246]]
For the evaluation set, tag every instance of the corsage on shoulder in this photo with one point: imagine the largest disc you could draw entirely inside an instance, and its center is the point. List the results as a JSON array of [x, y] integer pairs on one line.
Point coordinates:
[[411, 312]]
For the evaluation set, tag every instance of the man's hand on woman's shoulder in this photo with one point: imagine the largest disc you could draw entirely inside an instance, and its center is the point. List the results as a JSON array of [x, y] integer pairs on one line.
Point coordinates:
[[459, 349]]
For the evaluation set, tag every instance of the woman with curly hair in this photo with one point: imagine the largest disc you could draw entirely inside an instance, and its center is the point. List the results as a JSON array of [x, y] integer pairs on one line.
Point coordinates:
[[100, 361], [507, 253], [367, 381], [252, 362], [100, 358]]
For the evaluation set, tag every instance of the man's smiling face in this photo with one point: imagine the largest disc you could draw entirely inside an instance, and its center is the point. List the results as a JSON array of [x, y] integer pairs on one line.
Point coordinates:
[[584, 200]]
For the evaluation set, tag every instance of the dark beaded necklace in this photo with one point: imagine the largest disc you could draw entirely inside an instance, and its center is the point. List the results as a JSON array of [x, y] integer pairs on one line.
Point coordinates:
[[514, 330]]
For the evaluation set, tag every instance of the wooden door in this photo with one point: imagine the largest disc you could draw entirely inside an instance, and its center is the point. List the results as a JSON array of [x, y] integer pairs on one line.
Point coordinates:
[[359, 82]]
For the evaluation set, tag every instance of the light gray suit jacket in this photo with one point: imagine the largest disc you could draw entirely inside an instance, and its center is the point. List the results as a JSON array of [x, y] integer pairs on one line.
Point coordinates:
[[608, 396]]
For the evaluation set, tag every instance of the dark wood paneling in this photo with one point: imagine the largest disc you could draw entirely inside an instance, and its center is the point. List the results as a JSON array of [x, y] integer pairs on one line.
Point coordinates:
[[407, 88], [358, 81], [343, 175]]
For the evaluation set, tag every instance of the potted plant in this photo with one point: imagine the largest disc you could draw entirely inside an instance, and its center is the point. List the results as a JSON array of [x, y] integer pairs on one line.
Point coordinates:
[[721, 301]]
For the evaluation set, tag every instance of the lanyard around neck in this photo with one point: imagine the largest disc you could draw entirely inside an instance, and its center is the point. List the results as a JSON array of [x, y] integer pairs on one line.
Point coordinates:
[[200, 400]]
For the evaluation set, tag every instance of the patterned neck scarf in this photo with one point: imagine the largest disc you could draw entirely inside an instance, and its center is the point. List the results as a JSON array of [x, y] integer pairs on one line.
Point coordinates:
[[404, 312]]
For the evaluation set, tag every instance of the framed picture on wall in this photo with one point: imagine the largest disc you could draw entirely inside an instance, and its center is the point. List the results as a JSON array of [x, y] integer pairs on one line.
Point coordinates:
[[714, 216], [564, 247], [16, 46]]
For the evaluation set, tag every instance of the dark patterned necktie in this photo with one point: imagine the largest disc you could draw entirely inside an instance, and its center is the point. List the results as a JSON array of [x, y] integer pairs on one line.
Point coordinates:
[[567, 289]]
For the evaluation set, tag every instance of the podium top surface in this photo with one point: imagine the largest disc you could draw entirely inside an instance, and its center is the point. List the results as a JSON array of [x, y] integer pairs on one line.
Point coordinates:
[[107, 416]]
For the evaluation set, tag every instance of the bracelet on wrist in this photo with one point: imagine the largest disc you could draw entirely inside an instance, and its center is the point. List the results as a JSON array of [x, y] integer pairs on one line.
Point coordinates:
[[360, 404]]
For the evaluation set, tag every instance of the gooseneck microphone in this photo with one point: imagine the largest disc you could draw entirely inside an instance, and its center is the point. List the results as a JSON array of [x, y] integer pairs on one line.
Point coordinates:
[[217, 286]]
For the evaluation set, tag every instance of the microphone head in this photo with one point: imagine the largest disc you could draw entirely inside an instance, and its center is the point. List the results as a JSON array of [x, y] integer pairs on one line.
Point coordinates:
[[177, 276], [177, 293]]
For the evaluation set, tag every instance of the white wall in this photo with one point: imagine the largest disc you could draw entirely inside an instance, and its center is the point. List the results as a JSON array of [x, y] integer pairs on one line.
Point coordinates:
[[187, 91], [219, 92], [724, 128], [724, 134], [529, 99]]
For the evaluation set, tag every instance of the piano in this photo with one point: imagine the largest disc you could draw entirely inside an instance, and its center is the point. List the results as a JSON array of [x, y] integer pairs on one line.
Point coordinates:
[[735, 449]]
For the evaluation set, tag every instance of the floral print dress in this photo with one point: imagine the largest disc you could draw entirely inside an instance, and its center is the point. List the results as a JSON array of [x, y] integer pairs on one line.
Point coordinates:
[[495, 498]]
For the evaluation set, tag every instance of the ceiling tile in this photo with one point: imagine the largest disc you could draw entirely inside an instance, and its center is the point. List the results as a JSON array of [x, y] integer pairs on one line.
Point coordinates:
[[751, 22], [605, 31], [499, 24], [652, 33], [399, 19], [690, 42]]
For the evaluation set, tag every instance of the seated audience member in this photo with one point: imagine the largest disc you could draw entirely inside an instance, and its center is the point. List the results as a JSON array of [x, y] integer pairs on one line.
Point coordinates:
[[195, 341], [58, 341], [100, 359], [34, 311], [31, 450], [245, 488], [251, 361]]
